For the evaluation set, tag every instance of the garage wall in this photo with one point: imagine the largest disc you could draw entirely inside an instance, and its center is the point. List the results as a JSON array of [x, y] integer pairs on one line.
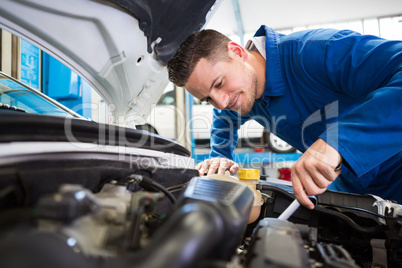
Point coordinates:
[[10, 54], [288, 14]]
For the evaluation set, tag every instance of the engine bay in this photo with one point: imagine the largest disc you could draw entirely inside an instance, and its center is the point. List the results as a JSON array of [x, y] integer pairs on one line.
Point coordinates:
[[163, 217]]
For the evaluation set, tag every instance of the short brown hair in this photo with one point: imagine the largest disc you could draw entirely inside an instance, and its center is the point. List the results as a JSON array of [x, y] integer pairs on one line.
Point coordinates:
[[208, 44]]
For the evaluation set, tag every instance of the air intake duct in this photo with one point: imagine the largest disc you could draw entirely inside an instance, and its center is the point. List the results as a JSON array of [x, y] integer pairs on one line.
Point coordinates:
[[209, 223]]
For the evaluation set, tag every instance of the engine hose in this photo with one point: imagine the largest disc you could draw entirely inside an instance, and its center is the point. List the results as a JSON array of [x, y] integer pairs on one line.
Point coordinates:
[[318, 209], [190, 235], [146, 181], [350, 222]]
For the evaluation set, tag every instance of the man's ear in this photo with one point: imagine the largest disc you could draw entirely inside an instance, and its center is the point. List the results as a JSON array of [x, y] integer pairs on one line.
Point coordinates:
[[235, 49]]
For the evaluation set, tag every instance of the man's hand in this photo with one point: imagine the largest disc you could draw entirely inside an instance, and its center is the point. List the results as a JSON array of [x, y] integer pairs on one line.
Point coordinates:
[[315, 171], [217, 165]]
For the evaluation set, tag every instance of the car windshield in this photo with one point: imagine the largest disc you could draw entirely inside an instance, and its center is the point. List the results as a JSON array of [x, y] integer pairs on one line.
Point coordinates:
[[15, 97]]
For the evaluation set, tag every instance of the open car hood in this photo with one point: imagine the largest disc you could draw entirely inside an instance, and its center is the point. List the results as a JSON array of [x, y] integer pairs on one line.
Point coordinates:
[[120, 47]]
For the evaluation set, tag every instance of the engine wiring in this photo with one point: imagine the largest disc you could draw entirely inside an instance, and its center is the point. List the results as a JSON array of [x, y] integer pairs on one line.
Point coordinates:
[[176, 188], [142, 180]]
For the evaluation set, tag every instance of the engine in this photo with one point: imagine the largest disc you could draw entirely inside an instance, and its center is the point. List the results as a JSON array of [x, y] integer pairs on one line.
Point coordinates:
[[199, 223]]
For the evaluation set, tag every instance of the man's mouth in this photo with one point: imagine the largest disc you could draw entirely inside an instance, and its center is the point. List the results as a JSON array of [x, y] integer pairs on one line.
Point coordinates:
[[234, 103]]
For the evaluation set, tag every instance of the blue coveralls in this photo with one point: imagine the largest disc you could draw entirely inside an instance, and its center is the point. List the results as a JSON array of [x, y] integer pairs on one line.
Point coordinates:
[[340, 86]]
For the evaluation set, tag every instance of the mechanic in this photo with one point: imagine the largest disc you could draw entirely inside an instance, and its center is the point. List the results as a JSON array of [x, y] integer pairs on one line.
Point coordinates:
[[334, 95]]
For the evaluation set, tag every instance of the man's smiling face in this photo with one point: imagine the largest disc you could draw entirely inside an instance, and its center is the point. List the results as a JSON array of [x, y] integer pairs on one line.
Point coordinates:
[[227, 85]]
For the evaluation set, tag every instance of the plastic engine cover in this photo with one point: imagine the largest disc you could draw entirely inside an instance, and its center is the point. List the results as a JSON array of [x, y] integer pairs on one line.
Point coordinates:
[[277, 243]]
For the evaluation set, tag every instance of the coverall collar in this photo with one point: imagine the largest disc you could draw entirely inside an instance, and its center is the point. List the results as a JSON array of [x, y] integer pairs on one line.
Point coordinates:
[[273, 75]]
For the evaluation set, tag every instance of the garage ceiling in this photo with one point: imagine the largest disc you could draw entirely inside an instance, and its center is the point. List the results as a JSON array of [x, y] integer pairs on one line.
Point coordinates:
[[283, 14]]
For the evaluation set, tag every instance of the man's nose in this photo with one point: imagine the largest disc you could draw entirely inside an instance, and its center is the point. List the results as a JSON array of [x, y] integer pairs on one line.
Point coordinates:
[[221, 99]]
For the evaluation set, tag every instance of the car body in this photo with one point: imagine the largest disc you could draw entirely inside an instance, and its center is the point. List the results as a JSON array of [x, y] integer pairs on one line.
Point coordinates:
[[17, 97], [76, 193]]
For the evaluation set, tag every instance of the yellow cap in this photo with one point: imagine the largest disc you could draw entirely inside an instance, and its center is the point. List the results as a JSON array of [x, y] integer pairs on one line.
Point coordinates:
[[248, 174]]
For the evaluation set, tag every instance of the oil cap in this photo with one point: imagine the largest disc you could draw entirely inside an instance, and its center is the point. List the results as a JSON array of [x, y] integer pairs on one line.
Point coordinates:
[[248, 174]]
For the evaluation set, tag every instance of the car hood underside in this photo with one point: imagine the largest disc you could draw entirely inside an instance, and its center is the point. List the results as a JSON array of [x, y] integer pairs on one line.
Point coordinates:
[[119, 47]]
